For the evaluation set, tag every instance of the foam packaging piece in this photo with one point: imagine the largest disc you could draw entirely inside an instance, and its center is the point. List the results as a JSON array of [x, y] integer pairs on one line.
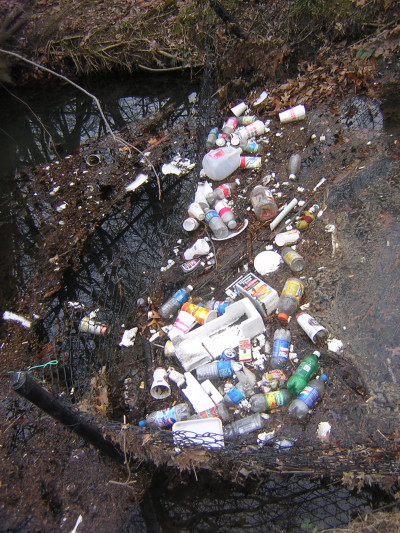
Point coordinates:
[[206, 343]]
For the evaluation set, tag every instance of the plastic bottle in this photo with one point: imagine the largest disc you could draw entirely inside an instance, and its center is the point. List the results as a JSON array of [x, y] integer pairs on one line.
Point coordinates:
[[304, 372], [252, 147], [225, 212], [172, 305], [224, 191], [294, 166], [315, 331], [293, 259], [166, 417], [217, 305], [219, 411], [260, 403], [308, 397], [287, 237], [241, 391], [216, 224], [289, 299], [200, 197], [263, 203], [245, 425], [230, 125], [280, 351], [211, 138], [217, 370], [218, 164]]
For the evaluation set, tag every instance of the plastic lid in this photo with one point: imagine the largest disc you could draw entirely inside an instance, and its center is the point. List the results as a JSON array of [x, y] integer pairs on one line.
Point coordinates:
[[284, 317], [280, 240], [142, 423], [324, 377], [189, 288], [317, 353]]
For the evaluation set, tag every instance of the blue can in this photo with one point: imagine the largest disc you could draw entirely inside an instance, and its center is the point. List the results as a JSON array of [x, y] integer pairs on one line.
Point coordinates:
[[228, 354]]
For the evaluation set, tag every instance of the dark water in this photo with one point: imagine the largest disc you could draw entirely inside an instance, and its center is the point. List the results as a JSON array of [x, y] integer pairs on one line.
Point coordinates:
[[43, 125]]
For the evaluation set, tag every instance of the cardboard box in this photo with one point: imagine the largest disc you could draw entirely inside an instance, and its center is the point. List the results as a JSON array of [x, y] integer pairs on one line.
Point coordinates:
[[264, 298]]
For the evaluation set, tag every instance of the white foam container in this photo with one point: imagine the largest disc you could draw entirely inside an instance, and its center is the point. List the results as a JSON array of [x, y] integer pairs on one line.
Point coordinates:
[[205, 432], [206, 343]]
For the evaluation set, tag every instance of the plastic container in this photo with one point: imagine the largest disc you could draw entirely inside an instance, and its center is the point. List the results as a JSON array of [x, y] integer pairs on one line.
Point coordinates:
[[224, 191], [294, 166], [308, 397], [218, 164], [260, 403], [225, 212], [315, 331], [263, 203], [211, 138], [173, 304], [201, 314], [245, 425], [204, 432], [166, 417], [289, 299], [293, 259], [229, 125], [200, 247], [217, 370], [280, 351], [304, 372], [216, 224], [287, 237]]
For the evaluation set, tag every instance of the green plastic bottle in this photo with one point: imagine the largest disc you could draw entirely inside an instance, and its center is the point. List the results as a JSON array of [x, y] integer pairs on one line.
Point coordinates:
[[304, 372]]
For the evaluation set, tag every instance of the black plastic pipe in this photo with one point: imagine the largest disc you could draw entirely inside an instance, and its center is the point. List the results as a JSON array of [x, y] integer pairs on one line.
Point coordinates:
[[30, 389]]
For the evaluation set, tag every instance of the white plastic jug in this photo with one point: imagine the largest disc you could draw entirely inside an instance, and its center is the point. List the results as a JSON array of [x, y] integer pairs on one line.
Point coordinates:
[[221, 162]]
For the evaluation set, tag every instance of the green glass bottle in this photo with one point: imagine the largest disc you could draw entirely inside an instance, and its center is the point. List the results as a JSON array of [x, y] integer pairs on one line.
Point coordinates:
[[304, 372]]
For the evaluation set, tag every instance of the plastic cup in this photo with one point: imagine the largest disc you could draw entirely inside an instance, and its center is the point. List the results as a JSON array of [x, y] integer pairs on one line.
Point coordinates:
[[239, 109], [200, 247], [160, 388], [201, 314], [190, 224], [294, 113]]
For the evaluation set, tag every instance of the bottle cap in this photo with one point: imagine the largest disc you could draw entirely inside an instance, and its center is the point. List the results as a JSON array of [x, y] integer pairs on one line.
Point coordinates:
[[189, 288], [235, 139], [317, 353], [142, 423], [283, 316], [324, 377], [292, 176]]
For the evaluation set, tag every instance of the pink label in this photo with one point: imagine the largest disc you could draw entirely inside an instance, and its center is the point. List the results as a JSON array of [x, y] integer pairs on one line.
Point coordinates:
[[223, 211], [216, 154]]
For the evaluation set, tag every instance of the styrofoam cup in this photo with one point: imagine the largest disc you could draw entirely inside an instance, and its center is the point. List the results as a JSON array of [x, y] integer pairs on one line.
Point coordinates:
[[239, 109], [294, 113], [184, 322], [196, 211], [160, 388], [190, 224]]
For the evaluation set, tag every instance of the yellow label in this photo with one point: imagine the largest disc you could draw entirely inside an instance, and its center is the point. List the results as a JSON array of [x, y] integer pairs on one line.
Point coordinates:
[[293, 287]]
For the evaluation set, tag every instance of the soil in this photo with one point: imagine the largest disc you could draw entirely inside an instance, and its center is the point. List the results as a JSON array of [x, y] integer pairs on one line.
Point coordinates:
[[49, 476]]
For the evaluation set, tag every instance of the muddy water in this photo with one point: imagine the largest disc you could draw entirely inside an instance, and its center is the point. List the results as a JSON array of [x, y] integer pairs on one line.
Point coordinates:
[[365, 210]]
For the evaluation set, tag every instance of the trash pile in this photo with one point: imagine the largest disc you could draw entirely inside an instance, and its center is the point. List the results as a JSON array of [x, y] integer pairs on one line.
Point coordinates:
[[228, 375]]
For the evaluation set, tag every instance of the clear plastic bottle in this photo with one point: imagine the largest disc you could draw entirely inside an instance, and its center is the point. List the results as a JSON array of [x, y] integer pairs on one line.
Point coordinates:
[[217, 305], [289, 299], [304, 372], [315, 331], [217, 370], [230, 125], [294, 166], [218, 164], [241, 391], [243, 426], [219, 411], [263, 203], [293, 259], [308, 397], [245, 120], [217, 226], [260, 403], [211, 138], [166, 417], [280, 351], [173, 304], [224, 191], [225, 212], [252, 147]]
